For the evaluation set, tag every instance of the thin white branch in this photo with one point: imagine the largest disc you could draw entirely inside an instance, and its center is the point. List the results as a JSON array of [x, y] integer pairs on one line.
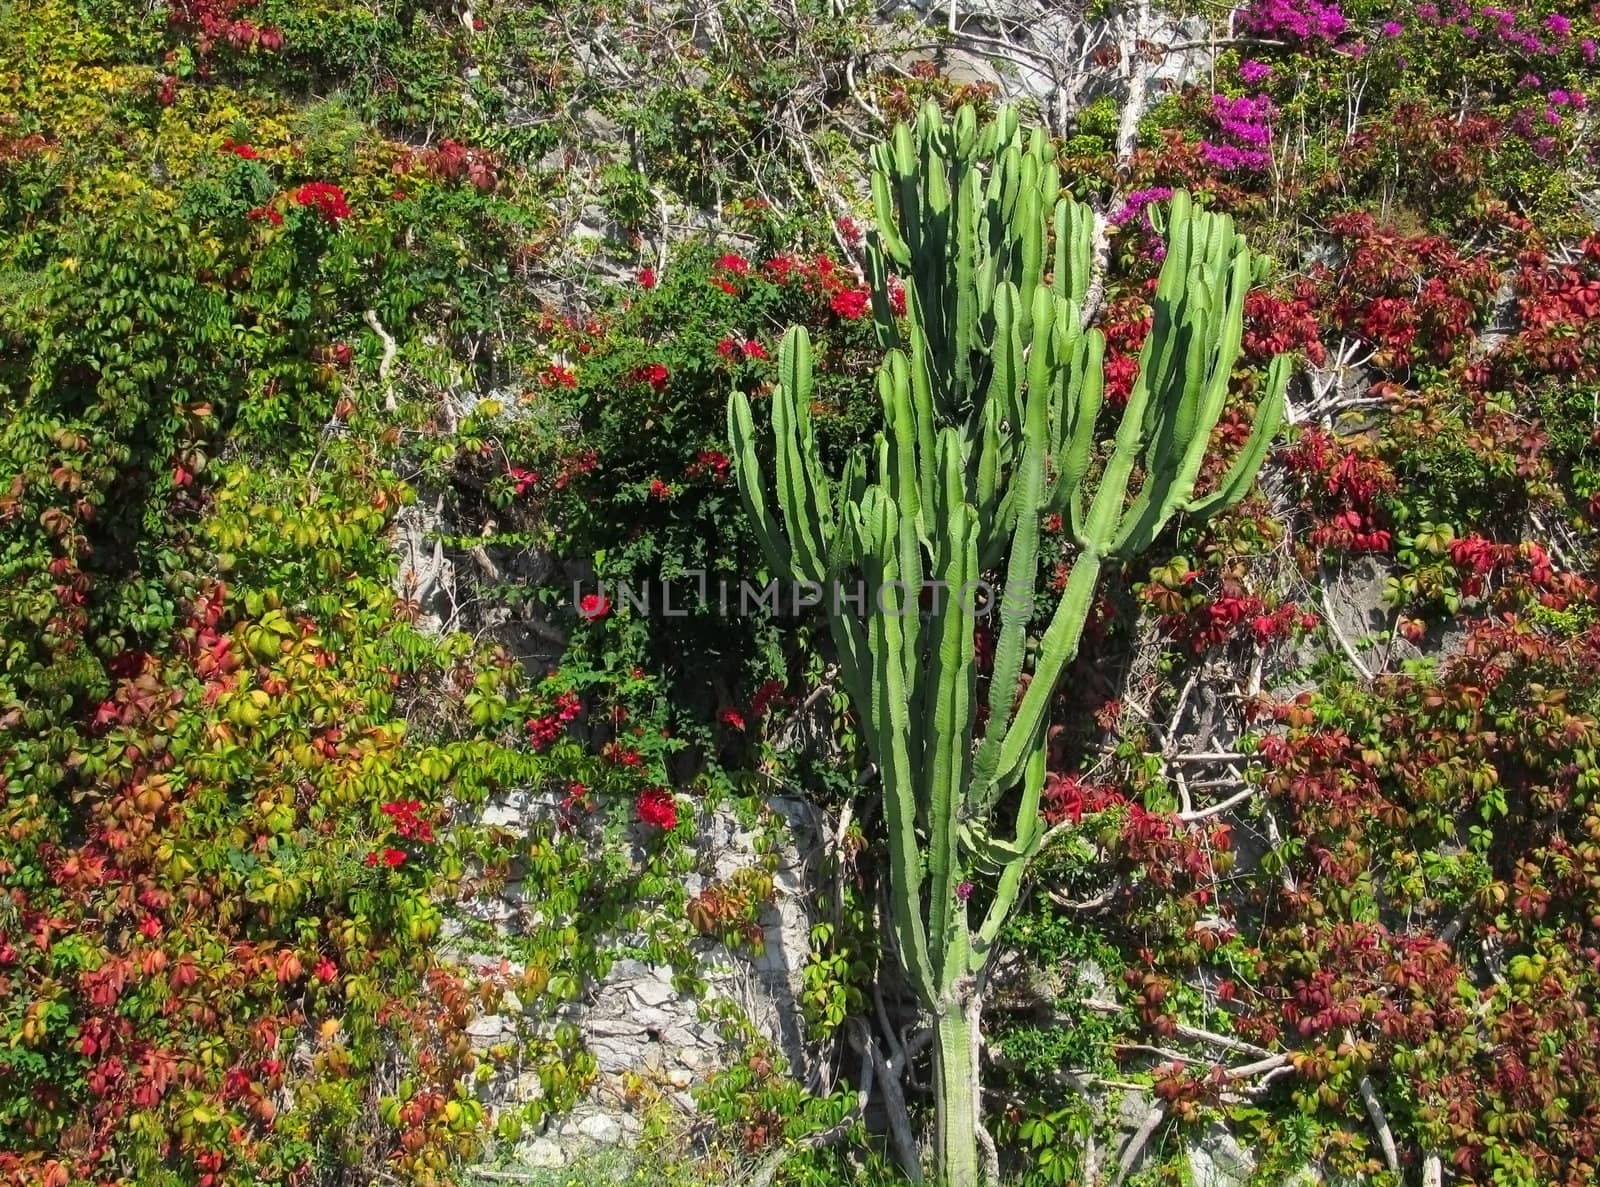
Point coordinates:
[[1340, 638], [1218, 808], [1137, 1143], [387, 362], [1369, 1097]]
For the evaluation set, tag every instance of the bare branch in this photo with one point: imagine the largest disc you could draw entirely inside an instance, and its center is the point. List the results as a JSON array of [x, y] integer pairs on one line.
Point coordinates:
[[1369, 1097]]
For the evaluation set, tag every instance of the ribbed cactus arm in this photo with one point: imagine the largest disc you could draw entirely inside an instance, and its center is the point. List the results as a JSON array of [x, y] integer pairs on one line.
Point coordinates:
[[904, 479], [802, 488], [844, 561], [1193, 400], [1074, 227], [1268, 418], [1006, 356], [1017, 596], [1029, 833], [878, 529], [1057, 648], [952, 681], [752, 486], [1085, 383], [984, 468]]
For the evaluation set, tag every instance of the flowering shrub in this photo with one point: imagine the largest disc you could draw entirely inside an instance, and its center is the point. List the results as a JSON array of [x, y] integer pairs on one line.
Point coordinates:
[[1246, 125], [1301, 20]]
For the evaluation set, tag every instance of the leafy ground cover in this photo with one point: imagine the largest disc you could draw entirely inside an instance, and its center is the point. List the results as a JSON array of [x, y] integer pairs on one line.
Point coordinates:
[[254, 259]]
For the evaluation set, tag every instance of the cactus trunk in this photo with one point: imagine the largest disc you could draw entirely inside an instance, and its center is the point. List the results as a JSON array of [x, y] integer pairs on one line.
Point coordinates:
[[991, 390], [955, 1083]]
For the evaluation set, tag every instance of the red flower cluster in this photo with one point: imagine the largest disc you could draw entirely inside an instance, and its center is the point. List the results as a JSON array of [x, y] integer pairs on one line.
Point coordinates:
[[390, 857], [764, 698], [653, 374], [709, 463], [727, 270], [574, 465], [327, 198], [731, 348], [620, 755], [656, 806], [522, 480], [406, 815], [544, 730], [731, 718], [268, 213], [242, 151], [594, 606], [852, 304], [577, 797], [660, 490]]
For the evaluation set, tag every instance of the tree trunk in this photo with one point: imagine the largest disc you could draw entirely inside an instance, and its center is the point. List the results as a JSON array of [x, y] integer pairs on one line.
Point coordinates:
[[955, 1076]]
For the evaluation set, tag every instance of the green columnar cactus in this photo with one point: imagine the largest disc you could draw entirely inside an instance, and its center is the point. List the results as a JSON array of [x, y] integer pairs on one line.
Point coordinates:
[[991, 391]]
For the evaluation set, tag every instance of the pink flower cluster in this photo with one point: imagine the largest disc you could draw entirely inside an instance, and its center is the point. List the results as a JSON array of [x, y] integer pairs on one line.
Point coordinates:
[[1137, 205], [1246, 124], [1293, 20]]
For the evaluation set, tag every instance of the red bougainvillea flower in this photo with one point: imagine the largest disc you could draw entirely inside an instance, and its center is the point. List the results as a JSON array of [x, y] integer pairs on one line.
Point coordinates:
[[544, 730], [656, 806], [732, 718], [709, 463], [727, 348], [327, 198], [615, 752], [390, 857], [851, 304], [769, 692], [594, 606], [407, 819], [735, 263], [653, 374], [243, 151], [266, 212], [660, 490]]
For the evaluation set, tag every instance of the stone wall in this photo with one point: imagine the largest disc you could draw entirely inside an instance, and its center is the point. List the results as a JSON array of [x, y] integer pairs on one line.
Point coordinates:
[[636, 1022]]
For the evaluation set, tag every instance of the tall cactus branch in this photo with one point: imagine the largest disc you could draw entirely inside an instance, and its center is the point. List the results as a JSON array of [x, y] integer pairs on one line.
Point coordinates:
[[991, 391]]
